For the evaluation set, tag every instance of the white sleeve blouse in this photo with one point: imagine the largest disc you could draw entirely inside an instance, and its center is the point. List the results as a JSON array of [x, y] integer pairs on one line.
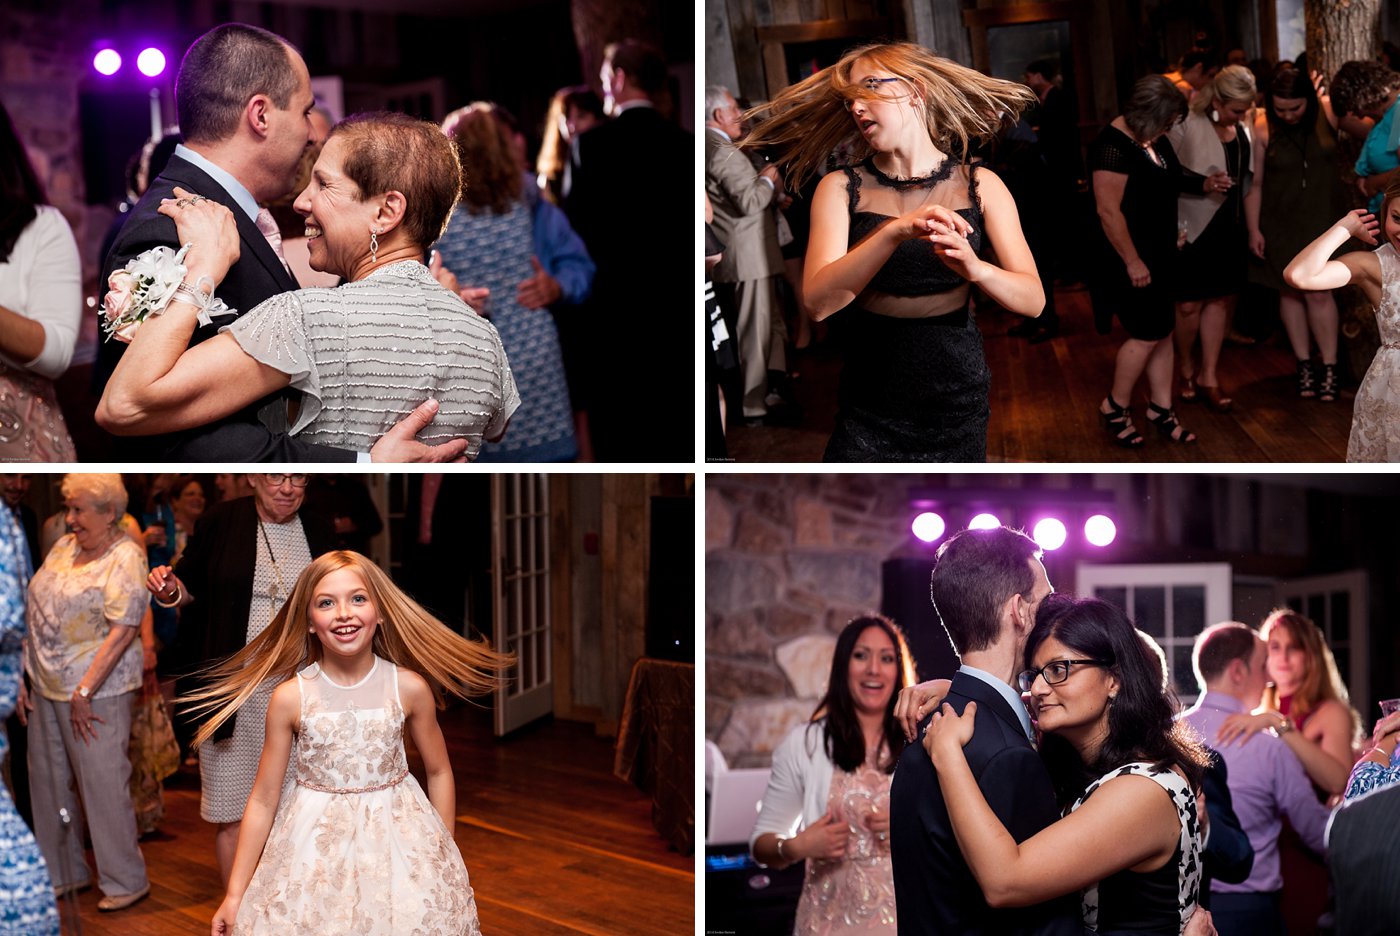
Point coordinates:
[[799, 784], [42, 281]]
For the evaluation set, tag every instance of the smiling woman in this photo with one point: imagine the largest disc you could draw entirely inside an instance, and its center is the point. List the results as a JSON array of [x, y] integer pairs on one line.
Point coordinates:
[[828, 795], [363, 355]]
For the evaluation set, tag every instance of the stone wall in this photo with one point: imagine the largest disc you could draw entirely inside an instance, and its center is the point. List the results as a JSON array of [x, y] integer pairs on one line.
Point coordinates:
[[789, 560]]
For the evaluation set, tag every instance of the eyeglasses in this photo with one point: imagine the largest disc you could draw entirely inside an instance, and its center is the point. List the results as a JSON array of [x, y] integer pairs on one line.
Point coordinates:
[[298, 480], [873, 85], [1054, 672]]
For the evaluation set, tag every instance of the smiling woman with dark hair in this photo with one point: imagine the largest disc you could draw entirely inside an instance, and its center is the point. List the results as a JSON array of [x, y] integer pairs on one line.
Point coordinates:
[[361, 354], [827, 800], [1119, 762]]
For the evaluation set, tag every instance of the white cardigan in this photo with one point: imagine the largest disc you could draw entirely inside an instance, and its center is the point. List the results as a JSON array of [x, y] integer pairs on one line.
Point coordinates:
[[799, 784], [1200, 150], [41, 280]]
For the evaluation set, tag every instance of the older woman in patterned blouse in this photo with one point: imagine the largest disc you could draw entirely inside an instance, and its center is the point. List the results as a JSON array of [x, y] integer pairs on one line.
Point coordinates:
[[84, 663], [363, 354]]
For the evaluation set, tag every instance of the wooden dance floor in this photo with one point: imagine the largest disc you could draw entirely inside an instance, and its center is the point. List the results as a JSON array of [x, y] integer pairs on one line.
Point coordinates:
[[554, 843], [1045, 397]]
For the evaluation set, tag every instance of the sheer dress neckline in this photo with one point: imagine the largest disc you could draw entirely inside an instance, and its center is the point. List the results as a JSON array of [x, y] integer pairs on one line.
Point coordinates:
[[944, 171]]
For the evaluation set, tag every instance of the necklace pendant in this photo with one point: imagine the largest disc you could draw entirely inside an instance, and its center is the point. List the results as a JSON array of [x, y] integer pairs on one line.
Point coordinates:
[[273, 591]]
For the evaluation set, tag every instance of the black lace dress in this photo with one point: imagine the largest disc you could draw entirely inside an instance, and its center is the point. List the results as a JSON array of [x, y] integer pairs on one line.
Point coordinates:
[[915, 383]]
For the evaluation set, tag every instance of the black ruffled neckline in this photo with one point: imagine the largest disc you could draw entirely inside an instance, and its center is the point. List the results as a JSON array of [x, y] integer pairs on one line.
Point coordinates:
[[900, 185]]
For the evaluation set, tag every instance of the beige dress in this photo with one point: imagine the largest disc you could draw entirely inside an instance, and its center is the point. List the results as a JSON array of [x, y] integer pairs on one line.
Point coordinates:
[[1375, 417], [854, 894], [356, 846]]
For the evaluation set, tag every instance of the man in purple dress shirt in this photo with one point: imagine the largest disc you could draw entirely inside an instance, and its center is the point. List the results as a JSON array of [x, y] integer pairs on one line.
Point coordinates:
[[1267, 783]]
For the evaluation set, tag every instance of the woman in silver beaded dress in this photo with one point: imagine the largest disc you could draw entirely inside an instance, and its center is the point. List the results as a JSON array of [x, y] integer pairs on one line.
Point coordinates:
[[235, 574], [363, 354]]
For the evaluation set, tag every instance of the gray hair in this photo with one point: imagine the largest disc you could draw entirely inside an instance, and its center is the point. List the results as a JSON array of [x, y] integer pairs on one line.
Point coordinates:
[[716, 98], [106, 491]]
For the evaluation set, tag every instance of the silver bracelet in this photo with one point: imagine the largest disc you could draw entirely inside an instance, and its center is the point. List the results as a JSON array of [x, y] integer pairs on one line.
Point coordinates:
[[781, 856], [194, 296], [173, 603]]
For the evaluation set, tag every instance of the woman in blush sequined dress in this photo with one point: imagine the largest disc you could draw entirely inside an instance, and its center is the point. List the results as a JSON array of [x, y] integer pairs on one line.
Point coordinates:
[[361, 355], [354, 846], [828, 796]]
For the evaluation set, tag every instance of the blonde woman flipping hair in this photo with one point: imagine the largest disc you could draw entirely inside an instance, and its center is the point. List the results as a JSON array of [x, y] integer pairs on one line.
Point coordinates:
[[355, 846], [898, 236]]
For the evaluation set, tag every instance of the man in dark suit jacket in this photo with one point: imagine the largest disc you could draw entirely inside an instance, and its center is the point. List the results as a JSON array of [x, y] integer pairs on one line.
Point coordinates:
[[629, 193], [986, 586], [1363, 853], [241, 155]]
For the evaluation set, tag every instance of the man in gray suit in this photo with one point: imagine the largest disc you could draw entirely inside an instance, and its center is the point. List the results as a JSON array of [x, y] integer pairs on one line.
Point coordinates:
[[745, 222]]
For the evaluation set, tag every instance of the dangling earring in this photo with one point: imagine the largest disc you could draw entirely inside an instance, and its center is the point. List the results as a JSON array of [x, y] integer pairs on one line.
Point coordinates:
[[374, 245], [1214, 115]]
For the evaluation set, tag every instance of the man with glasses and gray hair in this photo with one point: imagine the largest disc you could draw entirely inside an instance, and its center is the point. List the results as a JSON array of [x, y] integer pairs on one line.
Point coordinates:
[[986, 587], [236, 572]]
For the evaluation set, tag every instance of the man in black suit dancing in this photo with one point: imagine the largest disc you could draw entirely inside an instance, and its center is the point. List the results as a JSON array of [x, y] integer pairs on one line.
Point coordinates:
[[986, 586], [629, 193], [244, 98]]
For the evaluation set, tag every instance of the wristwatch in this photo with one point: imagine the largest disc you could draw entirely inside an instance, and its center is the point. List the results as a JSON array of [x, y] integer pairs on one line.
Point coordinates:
[[1284, 727], [84, 692]]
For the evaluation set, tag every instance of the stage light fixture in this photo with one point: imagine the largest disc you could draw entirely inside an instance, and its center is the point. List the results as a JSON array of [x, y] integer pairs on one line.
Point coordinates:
[[929, 527], [984, 521], [107, 62], [151, 62], [1049, 534], [1100, 530]]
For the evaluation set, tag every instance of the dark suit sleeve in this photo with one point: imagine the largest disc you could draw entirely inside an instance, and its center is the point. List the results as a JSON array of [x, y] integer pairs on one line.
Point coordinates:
[[237, 441], [1013, 782], [1228, 855]]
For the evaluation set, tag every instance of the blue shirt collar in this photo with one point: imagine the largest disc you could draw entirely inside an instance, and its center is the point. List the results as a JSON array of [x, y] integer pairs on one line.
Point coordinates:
[[245, 198], [1007, 693]]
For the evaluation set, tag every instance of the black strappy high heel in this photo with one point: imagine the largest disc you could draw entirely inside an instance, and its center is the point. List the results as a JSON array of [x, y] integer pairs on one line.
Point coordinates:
[[1327, 390], [1166, 422], [1118, 423]]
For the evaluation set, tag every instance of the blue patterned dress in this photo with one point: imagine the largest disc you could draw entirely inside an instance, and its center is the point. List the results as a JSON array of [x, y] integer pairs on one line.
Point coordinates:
[[494, 251], [26, 893]]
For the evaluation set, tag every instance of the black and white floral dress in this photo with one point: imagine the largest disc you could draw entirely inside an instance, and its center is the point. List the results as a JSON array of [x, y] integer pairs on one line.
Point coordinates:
[[1159, 901]]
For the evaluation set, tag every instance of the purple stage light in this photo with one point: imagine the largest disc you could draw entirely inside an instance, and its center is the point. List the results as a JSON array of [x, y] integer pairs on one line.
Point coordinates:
[[1100, 530], [107, 62], [151, 62], [929, 526], [984, 521], [1049, 534]]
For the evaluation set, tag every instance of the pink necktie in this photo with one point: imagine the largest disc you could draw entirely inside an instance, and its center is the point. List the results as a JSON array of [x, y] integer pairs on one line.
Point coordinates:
[[268, 227]]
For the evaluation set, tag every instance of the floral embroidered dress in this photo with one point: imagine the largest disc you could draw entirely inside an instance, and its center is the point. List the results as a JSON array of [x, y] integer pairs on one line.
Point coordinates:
[[1375, 416], [854, 894], [356, 847]]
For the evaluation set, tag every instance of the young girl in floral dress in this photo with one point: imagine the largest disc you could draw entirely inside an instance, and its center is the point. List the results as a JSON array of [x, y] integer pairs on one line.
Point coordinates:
[[354, 845]]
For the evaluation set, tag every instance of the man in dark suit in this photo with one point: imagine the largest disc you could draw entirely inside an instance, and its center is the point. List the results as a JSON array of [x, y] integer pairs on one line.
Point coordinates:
[[986, 586], [243, 95], [629, 193], [1363, 853]]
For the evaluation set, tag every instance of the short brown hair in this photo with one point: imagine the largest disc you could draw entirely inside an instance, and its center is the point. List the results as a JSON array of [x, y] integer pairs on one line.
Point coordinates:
[[395, 152], [1361, 84], [1216, 646], [643, 64], [222, 70], [483, 143], [977, 571], [1155, 105]]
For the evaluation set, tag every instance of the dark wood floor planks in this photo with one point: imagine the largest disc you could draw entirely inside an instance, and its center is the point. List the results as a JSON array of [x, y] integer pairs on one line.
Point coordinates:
[[1044, 400], [554, 843]]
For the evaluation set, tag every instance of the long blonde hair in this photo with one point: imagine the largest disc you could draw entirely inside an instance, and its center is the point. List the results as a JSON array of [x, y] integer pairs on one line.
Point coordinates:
[[408, 636], [808, 121], [1321, 681]]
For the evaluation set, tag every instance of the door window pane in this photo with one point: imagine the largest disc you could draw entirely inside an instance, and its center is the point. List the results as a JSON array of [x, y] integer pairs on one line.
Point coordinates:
[[1150, 609]]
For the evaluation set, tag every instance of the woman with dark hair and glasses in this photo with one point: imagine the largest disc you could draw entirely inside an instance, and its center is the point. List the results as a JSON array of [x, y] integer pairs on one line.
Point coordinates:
[[237, 570], [1125, 771], [828, 796]]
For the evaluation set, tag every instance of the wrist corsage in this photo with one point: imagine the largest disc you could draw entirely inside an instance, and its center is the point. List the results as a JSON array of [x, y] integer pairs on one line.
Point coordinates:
[[146, 286]]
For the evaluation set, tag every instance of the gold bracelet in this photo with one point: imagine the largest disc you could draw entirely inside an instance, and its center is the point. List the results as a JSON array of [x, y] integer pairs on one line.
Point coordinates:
[[173, 603]]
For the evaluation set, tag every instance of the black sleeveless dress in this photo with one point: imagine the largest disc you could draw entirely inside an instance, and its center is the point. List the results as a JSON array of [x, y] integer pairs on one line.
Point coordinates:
[[913, 389]]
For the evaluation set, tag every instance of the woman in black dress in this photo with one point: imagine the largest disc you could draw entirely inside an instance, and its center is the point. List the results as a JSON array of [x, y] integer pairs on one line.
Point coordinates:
[[1136, 180], [896, 238], [1212, 140]]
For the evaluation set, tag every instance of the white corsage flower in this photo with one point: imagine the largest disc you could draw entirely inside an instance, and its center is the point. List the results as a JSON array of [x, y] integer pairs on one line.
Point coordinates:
[[144, 288]]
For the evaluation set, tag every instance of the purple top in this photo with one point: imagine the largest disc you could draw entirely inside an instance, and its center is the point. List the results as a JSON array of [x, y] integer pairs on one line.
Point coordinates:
[[1267, 782]]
